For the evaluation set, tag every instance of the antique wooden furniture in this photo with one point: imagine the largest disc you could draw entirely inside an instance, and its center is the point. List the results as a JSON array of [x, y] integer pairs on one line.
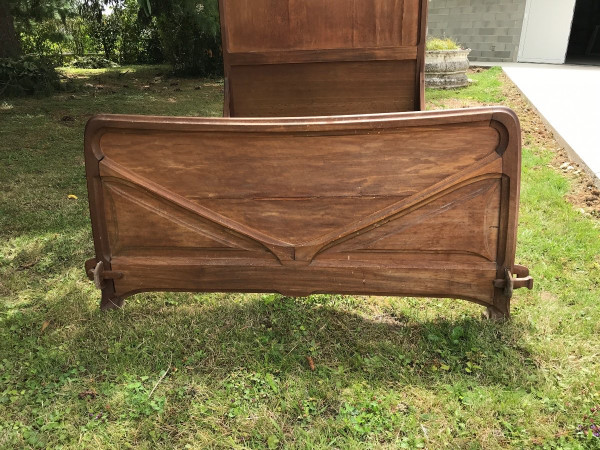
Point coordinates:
[[291, 58], [418, 204]]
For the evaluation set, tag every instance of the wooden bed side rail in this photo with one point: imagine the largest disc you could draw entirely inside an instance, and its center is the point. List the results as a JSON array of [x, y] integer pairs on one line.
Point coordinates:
[[417, 204], [294, 58]]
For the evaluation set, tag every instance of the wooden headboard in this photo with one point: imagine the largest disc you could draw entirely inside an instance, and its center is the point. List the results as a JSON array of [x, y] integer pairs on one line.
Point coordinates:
[[291, 58]]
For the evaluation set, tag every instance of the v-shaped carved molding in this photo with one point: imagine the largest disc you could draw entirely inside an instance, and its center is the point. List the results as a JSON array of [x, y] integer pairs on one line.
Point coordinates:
[[490, 166], [421, 230], [241, 235], [170, 225]]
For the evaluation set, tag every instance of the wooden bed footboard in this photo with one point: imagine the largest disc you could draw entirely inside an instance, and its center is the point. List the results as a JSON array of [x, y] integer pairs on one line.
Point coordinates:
[[411, 204]]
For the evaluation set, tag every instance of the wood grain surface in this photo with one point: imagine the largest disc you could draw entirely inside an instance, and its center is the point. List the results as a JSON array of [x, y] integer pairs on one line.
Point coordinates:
[[293, 58]]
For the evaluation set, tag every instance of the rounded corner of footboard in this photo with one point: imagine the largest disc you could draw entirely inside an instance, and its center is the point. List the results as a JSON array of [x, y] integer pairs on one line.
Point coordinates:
[[94, 123], [507, 117], [93, 130]]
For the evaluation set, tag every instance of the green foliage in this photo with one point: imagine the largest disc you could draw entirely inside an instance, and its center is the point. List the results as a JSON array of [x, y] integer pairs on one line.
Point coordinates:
[[77, 31], [366, 413], [121, 35], [132, 33], [441, 44], [105, 32], [138, 397], [186, 33], [189, 32], [26, 12], [139, 40], [36, 23], [44, 39], [27, 75], [148, 46]]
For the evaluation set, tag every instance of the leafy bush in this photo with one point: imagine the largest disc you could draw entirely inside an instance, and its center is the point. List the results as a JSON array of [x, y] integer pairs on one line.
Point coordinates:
[[190, 35], [106, 33], [78, 34], [26, 76], [92, 62], [124, 35], [139, 41], [150, 50], [441, 44], [45, 39]]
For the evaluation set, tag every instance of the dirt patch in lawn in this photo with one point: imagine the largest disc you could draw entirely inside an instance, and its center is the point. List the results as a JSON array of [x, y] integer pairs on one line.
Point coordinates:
[[117, 81], [457, 103], [584, 193]]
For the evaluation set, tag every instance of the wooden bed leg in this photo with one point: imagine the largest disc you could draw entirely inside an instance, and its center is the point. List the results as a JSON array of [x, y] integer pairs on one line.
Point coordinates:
[[104, 280], [495, 314], [109, 299], [500, 310], [110, 302]]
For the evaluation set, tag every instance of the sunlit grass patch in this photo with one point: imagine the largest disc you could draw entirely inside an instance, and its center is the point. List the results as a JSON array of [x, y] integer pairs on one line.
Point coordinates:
[[485, 89]]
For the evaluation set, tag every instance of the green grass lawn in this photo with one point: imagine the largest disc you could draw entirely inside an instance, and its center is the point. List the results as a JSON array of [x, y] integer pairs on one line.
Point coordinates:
[[231, 371]]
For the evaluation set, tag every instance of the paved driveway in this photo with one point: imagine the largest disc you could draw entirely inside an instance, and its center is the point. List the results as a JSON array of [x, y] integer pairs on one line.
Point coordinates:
[[568, 98]]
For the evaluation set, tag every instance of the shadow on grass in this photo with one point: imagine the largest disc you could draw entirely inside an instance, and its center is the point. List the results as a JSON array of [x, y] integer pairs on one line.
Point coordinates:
[[214, 335], [212, 361]]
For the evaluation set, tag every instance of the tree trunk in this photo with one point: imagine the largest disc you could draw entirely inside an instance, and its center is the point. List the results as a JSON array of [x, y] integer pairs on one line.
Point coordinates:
[[106, 48], [10, 46]]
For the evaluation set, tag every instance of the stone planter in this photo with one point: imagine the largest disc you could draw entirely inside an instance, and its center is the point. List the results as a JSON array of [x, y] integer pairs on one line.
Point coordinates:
[[446, 69]]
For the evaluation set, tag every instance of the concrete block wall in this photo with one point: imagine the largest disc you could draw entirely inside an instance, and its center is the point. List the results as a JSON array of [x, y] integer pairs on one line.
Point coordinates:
[[490, 28]]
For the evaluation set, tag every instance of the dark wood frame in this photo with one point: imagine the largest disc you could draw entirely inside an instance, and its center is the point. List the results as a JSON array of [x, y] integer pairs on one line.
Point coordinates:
[[325, 55]]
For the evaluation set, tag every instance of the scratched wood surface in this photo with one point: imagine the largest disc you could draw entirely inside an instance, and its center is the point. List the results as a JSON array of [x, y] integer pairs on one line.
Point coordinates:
[[419, 204], [293, 58]]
